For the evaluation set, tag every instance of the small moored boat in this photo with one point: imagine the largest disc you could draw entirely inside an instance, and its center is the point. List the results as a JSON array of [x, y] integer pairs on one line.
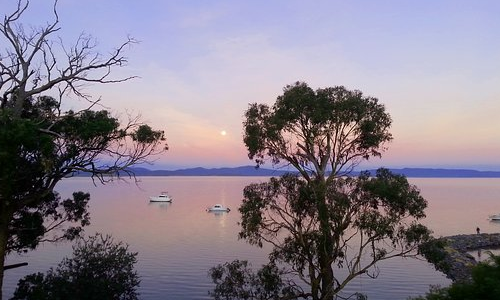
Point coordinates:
[[494, 217], [218, 207], [163, 197]]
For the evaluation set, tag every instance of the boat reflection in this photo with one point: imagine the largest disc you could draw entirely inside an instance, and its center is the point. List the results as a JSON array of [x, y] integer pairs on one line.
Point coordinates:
[[161, 205]]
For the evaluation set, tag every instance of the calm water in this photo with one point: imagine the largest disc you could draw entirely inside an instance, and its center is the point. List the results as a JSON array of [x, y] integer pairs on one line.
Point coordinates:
[[179, 242]]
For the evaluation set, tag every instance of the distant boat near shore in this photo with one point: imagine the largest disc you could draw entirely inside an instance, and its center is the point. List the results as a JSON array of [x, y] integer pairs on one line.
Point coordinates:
[[494, 217]]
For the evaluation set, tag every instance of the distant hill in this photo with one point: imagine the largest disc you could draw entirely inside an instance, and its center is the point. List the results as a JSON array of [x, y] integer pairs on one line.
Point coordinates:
[[446, 173], [237, 171], [252, 171]]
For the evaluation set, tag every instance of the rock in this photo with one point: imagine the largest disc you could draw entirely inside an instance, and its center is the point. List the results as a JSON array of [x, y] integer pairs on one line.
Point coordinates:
[[449, 254]]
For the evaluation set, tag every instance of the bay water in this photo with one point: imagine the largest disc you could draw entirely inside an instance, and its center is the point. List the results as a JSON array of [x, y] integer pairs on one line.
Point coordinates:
[[178, 242]]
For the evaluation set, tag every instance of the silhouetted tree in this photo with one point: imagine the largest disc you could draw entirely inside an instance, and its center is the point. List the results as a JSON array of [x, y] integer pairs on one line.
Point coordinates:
[[40, 144], [323, 219]]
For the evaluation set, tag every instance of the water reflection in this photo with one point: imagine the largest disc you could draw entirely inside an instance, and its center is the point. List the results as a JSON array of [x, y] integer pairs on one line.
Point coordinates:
[[161, 205], [175, 252], [484, 254], [218, 213], [459, 205]]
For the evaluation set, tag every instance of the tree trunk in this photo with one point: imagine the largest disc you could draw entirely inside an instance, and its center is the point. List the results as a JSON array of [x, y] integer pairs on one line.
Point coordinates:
[[20, 97], [325, 255], [4, 234], [325, 244]]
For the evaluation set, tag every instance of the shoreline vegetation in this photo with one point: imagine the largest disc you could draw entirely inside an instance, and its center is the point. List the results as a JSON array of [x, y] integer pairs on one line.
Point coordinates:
[[252, 171]]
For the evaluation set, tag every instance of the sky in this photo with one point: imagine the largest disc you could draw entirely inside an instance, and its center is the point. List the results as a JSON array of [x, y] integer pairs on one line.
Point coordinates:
[[435, 65]]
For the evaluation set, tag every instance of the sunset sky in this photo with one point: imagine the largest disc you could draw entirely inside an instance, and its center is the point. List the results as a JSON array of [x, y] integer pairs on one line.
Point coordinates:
[[434, 64]]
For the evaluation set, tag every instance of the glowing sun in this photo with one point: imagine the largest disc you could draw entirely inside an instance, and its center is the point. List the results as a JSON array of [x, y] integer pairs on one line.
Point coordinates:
[[223, 132]]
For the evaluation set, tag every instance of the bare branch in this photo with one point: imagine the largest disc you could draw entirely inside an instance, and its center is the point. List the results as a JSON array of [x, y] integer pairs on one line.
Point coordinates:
[[31, 64]]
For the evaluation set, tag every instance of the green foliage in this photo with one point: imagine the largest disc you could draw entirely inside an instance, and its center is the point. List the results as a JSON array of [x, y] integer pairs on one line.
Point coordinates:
[[434, 251], [88, 126], [435, 293], [99, 269], [23, 150], [338, 125], [485, 284], [28, 158], [237, 281], [145, 134], [29, 225]]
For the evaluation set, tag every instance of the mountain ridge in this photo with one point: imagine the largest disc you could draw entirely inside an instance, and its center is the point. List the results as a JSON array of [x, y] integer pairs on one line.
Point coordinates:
[[252, 171]]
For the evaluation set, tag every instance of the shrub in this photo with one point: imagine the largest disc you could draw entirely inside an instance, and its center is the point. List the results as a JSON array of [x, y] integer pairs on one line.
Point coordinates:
[[98, 269]]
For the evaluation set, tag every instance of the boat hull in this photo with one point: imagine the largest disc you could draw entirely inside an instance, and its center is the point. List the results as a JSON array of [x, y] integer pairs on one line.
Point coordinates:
[[494, 217], [155, 199], [218, 210]]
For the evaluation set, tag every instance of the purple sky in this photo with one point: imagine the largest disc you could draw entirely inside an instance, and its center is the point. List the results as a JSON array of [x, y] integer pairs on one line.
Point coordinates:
[[434, 64]]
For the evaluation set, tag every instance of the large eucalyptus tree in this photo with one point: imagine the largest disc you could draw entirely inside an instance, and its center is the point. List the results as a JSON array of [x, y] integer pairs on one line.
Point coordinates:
[[323, 219]]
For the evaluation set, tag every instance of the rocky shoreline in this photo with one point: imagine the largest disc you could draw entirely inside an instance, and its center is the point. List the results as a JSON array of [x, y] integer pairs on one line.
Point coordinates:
[[450, 254]]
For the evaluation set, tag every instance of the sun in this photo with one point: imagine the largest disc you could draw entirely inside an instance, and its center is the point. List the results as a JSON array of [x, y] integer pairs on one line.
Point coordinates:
[[223, 132]]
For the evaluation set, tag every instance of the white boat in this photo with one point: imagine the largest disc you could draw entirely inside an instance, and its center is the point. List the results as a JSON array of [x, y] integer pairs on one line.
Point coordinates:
[[218, 208], [495, 217], [163, 197]]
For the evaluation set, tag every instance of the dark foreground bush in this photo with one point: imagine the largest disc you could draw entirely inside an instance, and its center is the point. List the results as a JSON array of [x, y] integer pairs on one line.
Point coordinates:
[[99, 269], [485, 284]]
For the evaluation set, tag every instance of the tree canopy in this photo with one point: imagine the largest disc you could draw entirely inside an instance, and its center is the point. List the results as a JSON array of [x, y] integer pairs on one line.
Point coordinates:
[[328, 129]]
